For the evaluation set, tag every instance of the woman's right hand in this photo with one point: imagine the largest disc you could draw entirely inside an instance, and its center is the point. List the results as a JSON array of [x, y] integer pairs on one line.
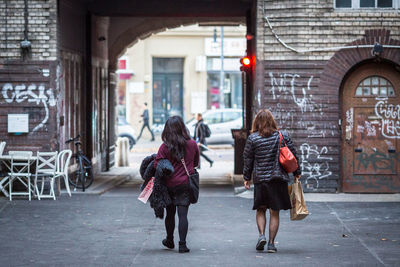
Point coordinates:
[[247, 184]]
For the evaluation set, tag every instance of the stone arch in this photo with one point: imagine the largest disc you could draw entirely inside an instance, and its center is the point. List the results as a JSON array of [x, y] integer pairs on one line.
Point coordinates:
[[346, 60], [131, 30]]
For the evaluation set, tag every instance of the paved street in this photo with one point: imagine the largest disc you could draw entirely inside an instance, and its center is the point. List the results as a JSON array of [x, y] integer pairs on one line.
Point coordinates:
[[115, 229]]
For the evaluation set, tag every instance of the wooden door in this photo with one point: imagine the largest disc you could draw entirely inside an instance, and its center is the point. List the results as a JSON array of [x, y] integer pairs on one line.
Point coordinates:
[[371, 130]]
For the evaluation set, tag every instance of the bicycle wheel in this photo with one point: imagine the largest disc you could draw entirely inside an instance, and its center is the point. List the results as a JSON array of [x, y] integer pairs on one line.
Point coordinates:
[[76, 179]]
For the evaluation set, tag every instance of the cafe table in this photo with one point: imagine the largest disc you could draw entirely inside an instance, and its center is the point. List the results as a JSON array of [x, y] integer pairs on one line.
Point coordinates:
[[5, 160]]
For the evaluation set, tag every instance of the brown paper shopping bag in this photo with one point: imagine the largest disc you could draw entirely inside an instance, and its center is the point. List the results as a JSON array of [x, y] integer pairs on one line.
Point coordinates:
[[299, 210]]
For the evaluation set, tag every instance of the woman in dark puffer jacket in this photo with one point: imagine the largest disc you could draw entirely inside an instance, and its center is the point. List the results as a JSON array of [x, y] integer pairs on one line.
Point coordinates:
[[261, 161]]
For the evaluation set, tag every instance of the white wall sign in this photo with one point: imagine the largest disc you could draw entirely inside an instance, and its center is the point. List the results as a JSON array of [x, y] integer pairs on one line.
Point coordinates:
[[230, 64], [136, 87], [198, 102], [232, 47], [18, 123]]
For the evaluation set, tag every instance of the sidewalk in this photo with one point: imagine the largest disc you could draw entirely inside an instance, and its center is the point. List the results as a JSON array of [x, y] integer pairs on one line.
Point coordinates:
[[106, 181], [339, 197]]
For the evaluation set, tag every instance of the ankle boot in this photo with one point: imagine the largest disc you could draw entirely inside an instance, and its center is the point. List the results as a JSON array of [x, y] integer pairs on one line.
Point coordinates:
[[168, 243], [182, 247]]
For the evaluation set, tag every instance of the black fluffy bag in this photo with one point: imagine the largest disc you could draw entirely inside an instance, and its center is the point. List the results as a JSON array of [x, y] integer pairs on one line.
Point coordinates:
[[194, 184]]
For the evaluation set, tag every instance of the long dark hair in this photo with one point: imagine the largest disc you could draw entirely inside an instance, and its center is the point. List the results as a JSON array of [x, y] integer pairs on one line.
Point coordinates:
[[264, 123], [175, 136]]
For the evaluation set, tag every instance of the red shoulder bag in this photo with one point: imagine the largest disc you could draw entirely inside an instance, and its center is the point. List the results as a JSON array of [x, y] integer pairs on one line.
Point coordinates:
[[286, 157]]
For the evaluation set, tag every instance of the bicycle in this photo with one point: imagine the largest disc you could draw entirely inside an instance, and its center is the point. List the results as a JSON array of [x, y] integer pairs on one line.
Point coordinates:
[[82, 178]]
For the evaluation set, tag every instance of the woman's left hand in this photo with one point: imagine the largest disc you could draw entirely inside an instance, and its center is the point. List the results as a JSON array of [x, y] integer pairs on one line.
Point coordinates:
[[247, 184]]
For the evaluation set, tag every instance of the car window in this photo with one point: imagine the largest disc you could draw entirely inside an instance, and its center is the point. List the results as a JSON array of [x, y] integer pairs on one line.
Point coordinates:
[[212, 118], [231, 116]]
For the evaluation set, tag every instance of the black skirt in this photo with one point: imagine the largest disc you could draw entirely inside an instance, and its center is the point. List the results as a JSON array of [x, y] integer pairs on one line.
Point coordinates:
[[179, 195], [272, 195]]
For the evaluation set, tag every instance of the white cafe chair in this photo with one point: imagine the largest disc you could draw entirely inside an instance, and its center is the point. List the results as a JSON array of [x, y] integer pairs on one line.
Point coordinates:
[[2, 146], [20, 170], [63, 160], [4, 180], [46, 170]]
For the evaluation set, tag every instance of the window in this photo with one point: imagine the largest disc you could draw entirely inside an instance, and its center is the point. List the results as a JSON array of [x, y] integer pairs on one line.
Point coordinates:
[[231, 116], [367, 3], [213, 118], [375, 86]]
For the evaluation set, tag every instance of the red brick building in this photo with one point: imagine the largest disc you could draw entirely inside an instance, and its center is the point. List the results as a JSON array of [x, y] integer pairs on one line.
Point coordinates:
[[316, 69]]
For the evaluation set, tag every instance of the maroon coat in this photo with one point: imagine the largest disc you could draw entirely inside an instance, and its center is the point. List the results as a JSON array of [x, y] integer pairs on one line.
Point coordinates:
[[191, 159]]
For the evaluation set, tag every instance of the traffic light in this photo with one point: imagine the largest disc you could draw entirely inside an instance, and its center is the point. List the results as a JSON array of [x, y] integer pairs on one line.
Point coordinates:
[[246, 64]]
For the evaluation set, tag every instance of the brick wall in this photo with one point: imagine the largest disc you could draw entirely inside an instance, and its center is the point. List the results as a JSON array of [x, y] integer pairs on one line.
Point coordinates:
[[42, 19], [303, 89], [29, 88], [28, 85], [308, 24]]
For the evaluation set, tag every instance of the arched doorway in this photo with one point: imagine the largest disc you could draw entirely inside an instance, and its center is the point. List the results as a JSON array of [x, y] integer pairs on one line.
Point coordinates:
[[371, 129]]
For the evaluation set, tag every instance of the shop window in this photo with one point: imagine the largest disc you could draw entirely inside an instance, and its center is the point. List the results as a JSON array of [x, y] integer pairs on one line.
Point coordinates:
[[375, 86]]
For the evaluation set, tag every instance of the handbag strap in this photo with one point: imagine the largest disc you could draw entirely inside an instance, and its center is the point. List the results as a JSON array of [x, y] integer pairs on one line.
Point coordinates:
[[184, 165], [281, 138]]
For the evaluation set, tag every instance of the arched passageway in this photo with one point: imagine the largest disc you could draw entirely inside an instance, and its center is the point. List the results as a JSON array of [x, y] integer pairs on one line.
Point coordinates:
[[96, 33]]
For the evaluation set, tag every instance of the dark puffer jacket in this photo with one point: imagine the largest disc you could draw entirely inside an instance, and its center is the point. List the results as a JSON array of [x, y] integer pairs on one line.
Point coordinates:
[[261, 158], [159, 198]]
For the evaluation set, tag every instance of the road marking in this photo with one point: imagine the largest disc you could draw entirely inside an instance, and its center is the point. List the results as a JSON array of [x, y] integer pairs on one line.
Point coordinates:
[[373, 253]]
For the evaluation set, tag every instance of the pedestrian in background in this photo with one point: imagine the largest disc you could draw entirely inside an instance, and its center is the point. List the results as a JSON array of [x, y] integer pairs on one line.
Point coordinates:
[[145, 117], [177, 145], [200, 135], [261, 162]]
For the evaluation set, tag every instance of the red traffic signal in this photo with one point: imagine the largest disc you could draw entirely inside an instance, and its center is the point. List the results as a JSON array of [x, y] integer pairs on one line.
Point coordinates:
[[246, 63]]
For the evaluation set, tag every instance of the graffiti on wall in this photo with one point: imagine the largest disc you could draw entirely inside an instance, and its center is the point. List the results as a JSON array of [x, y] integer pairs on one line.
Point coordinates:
[[377, 161], [20, 93], [286, 85], [389, 115], [296, 89], [314, 164]]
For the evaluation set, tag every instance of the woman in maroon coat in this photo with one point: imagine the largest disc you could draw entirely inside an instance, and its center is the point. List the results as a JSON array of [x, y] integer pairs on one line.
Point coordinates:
[[177, 145]]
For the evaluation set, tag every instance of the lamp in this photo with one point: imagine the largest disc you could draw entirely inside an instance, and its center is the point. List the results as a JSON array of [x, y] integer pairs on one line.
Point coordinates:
[[377, 50]]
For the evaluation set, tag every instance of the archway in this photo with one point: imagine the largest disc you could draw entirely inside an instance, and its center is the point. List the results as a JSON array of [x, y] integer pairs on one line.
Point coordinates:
[[187, 59]]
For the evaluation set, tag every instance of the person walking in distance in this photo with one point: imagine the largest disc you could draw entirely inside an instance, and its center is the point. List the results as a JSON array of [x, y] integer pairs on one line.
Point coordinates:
[[145, 117], [201, 132], [177, 145], [261, 162]]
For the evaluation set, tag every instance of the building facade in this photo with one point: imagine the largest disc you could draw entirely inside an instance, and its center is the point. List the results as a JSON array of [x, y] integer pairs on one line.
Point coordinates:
[[339, 99], [328, 70], [177, 72]]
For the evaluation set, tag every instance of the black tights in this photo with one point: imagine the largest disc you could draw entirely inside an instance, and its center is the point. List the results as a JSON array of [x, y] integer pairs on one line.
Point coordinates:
[[183, 222]]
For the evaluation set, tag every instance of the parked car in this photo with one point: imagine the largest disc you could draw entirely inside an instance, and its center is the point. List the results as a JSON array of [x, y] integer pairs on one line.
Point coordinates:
[[126, 130], [220, 121]]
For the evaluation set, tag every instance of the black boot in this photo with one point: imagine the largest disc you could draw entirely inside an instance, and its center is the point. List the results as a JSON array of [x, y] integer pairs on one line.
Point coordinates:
[[168, 243], [182, 247]]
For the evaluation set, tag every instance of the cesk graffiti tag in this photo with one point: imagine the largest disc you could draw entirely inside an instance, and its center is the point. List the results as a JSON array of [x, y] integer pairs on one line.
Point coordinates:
[[21, 93]]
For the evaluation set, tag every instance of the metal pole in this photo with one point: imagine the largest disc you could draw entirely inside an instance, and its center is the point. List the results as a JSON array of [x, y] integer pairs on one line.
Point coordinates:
[[221, 73]]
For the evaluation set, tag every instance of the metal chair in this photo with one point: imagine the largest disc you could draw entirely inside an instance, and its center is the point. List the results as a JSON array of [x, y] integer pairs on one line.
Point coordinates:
[[20, 170], [3, 174], [2, 146], [63, 160], [46, 165]]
